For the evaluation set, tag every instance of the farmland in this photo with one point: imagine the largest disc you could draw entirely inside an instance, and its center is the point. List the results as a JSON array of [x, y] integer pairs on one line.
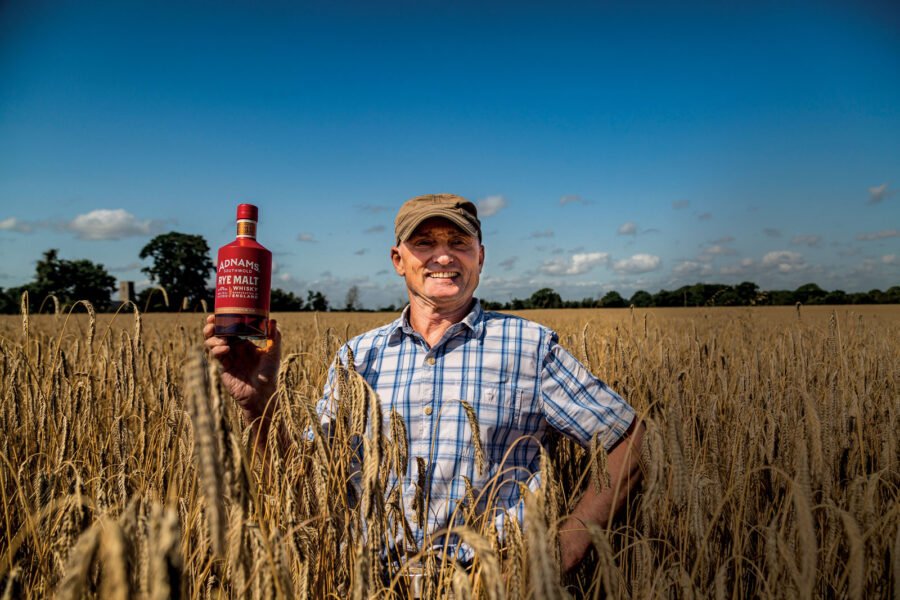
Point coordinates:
[[770, 464]]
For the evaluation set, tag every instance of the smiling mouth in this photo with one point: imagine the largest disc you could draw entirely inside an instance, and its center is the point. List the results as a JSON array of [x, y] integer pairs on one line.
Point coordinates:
[[444, 275]]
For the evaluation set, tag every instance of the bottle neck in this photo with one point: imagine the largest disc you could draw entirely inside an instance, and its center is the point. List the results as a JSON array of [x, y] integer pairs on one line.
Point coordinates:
[[246, 229]]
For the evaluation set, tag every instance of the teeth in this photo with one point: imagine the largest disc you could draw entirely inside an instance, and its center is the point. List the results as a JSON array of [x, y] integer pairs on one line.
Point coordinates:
[[444, 275]]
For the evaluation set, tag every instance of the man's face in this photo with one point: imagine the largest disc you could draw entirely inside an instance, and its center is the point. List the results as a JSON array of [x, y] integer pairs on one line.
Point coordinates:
[[440, 262]]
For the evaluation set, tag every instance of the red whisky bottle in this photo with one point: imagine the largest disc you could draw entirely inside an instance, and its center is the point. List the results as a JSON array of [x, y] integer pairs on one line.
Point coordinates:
[[243, 280]]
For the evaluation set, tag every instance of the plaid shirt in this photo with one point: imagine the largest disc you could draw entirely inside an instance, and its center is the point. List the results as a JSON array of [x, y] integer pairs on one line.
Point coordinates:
[[518, 379]]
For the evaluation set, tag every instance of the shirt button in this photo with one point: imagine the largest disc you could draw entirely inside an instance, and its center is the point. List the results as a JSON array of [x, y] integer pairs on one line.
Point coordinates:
[[427, 410], [431, 360]]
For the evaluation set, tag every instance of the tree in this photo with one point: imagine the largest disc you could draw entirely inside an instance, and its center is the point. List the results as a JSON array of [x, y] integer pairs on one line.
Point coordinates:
[[747, 291], [352, 299], [316, 301], [809, 293], [282, 301], [181, 264], [546, 298], [641, 299], [836, 297], [69, 281], [612, 299], [519, 304], [8, 304]]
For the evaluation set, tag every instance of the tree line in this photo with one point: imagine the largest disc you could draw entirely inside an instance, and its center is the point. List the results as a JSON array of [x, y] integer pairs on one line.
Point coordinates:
[[746, 293], [180, 268]]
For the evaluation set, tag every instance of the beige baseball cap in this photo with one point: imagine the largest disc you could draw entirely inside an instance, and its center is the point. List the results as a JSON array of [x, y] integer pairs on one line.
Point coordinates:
[[455, 209]]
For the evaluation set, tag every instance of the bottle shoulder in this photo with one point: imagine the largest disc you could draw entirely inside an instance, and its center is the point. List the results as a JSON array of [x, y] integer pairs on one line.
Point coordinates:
[[246, 243]]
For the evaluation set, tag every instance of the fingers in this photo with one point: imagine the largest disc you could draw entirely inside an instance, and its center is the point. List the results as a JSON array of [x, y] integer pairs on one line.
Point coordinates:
[[215, 346]]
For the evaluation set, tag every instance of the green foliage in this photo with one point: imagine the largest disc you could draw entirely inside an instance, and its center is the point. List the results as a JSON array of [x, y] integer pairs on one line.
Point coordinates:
[[181, 264], [641, 299], [7, 302], [809, 293], [612, 299], [546, 298], [745, 293], [282, 301], [68, 280], [316, 301]]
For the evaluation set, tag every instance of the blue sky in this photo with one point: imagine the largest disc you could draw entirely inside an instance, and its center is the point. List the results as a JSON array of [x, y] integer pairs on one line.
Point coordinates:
[[607, 146]]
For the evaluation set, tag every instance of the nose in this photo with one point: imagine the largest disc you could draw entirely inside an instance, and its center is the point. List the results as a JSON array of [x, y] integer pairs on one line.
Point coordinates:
[[442, 255]]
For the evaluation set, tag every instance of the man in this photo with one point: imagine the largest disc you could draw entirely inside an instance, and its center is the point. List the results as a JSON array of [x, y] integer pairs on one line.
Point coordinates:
[[445, 350]]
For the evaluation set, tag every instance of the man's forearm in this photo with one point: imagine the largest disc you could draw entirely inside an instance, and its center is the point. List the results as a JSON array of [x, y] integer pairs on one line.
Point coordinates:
[[599, 506]]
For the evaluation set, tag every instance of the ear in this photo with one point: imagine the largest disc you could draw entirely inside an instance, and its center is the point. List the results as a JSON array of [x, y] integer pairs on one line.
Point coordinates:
[[397, 259], [480, 258]]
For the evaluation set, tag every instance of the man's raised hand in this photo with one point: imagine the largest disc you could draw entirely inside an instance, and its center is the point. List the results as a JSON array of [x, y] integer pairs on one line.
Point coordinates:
[[249, 373]]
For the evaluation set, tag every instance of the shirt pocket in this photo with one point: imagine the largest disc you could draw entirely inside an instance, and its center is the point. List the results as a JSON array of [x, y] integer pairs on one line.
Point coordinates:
[[497, 412]]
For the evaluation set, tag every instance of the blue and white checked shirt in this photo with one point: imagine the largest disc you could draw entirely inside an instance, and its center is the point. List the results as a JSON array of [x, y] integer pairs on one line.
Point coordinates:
[[519, 380]]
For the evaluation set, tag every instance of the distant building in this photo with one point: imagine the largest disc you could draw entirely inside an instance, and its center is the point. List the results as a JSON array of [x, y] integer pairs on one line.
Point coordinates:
[[126, 291], [126, 294]]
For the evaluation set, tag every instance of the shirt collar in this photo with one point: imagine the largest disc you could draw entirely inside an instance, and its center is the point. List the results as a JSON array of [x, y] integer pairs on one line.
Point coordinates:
[[474, 320]]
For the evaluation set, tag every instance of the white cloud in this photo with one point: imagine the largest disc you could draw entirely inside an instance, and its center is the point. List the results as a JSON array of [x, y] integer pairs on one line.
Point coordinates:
[[691, 268], [509, 263], [746, 266], [867, 266], [576, 264], [784, 261], [890, 259], [306, 237], [491, 205], [571, 199], [719, 250], [639, 263], [887, 233], [879, 193], [105, 224], [806, 240], [628, 228], [14, 224]]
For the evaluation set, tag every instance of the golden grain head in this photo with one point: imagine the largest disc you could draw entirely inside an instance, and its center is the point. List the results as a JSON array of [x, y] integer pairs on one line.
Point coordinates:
[[769, 462]]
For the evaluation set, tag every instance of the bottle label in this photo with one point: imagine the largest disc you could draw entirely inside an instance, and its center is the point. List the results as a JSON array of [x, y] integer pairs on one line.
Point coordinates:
[[243, 277], [246, 228]]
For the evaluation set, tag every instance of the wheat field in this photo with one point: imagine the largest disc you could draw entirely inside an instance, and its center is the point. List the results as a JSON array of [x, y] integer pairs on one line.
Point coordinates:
[[770, 465]]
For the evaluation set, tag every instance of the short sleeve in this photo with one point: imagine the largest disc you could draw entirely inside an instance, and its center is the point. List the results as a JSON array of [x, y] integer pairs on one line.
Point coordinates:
[[579, 404]]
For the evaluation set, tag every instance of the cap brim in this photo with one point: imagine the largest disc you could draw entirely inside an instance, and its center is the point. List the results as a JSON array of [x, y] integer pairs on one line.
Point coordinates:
[[452, 216]]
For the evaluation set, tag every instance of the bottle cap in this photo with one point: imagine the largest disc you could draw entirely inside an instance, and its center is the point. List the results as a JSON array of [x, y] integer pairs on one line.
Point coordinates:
[[247, 211]]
